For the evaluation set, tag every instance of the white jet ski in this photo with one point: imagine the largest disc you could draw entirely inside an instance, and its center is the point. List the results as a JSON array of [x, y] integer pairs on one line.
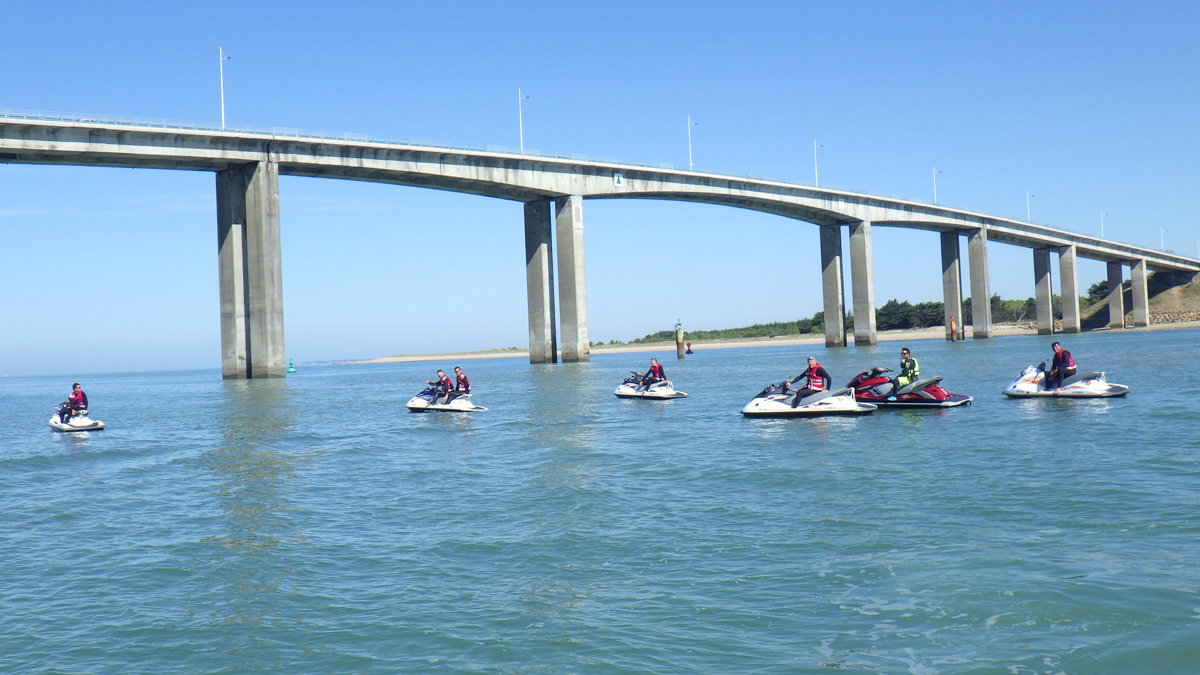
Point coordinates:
[[659, 391], [1032, 384], [423, 402], [775, 402], [79, 421]]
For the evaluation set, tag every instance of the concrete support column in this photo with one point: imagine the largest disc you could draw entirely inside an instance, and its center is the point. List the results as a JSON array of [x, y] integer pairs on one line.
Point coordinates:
[[539, 282], [832, 290], [981, 295], [951, 286], [250, 272], [1043, 291], [1068, 283], [1141, 296], [862, 285], [572, 287], [1116, 296]]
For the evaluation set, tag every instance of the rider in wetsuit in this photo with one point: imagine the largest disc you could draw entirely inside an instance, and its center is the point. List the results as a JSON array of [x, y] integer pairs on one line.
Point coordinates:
[[444, 385], [75, 402], [818, 380], [653, 376], [1062, 367], [462, 385], [910, 370]]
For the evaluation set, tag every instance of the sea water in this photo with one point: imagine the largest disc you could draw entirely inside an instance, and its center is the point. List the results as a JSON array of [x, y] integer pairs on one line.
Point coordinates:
[[312, 525]]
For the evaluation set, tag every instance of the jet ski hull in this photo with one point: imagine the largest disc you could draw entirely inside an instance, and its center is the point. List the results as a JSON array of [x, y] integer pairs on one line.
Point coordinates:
[[78, 423], [819, 405], [954, 401], [654, 394], [461, 404], [1090, 385]]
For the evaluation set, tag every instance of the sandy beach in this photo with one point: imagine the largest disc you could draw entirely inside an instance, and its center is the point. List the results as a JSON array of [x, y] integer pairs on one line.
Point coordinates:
[[935, 333]]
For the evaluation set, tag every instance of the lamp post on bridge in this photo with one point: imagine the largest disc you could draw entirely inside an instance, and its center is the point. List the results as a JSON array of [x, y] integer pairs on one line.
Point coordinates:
[[935, 173], [690, 125], [1162, 242], [1102, 214], [223, 58], [1028, 218], [816, 176], [521, 119]]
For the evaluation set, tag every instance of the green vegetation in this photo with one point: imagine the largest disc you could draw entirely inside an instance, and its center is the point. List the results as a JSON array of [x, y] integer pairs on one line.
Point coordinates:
[[893, 315]]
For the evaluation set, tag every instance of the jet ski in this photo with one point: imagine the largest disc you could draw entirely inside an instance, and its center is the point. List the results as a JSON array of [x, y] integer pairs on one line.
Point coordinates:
[[423, 402], [774, 401], [659, 391], [1032, 384], [873, 387], [79, 421]]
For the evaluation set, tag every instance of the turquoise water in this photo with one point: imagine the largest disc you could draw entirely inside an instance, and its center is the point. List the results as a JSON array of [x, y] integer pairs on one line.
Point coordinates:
[[311, 525]]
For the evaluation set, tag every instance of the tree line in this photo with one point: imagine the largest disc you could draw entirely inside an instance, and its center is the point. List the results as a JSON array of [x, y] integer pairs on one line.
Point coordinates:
[[893, 315]]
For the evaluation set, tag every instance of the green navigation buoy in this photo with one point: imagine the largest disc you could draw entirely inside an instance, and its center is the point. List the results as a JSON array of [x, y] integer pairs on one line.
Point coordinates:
[[291, 368]]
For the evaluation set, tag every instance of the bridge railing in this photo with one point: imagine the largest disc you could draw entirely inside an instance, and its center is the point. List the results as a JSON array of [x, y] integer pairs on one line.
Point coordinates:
[[304, 134]]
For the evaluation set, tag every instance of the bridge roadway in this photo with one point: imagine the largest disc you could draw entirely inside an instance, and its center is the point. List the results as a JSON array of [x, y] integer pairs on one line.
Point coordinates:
[[247, 164]]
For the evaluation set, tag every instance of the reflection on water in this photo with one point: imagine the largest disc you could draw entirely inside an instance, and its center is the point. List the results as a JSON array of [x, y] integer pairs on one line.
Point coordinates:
[[254, 417]]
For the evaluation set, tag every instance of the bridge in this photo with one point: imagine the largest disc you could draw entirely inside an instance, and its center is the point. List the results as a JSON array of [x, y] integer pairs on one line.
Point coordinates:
[[248, 162]]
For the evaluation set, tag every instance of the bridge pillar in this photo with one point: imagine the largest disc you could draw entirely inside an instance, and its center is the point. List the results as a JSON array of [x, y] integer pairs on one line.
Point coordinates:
[[951, 286], [1141, 296], [572, 287], [1068, 282], [832, 290], [250, 272], [981, 296], [1043, 292], [1116, 296], [862, 286], [539, 282]]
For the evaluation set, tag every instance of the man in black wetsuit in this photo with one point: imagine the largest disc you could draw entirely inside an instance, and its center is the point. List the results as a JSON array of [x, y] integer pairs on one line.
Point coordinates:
[[817, 380], [1061, 368], [653, 376], [445, 387], [462, 385]]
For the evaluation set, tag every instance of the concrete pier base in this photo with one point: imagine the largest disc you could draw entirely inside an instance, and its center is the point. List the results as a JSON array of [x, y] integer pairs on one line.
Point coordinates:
[[952, 286], [1068, 282], [862, 284], [1141, 295], [572, 287], [539, 282], [981, 295], [832, 290], [1116, 296], [1043, 291], [250, 272]]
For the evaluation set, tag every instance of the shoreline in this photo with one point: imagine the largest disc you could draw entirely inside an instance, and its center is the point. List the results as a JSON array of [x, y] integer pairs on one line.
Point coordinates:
[[934, 333]]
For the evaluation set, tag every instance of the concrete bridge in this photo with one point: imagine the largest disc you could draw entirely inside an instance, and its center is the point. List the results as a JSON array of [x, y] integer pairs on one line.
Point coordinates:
[[247, 164]]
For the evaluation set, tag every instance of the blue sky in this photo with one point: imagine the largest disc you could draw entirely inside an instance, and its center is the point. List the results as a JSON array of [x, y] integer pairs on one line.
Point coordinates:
[[1090, 106]]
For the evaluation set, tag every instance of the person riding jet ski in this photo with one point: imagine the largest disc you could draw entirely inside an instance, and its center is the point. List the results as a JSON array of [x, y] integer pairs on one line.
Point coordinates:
[[445, 387], [1062, 367], [817, 379], [910, 370], [653, 376]]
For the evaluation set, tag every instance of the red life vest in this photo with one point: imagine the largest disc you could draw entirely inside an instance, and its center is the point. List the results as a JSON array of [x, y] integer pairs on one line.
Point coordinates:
[[815, 381], [1061, 362], [444, 383], [463, 383], [656, 371]]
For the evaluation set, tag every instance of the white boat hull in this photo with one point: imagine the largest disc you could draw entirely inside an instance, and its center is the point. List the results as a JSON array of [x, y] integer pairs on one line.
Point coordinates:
[[840, 402], [459, 404], [77, 423], [661, 392], [1031, 384]]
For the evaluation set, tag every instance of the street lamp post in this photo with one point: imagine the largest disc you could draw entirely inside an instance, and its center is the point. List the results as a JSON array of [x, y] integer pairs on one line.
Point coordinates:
[[221, 54], [1162, 242], [816, 176], [1102, 214], [935, 173], [690, 124], [521, 118], [1028, 218]]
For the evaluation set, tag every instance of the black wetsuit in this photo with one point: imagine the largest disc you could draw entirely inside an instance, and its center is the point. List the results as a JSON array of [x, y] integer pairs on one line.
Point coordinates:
[[816, 375], [1062, 368]]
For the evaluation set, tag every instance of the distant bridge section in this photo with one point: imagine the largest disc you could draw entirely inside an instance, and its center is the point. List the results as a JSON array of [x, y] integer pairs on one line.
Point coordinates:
[[247, 164]]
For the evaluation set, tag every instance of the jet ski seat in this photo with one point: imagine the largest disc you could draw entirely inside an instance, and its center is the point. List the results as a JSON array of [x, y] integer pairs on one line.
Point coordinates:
[[1079, 377]]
